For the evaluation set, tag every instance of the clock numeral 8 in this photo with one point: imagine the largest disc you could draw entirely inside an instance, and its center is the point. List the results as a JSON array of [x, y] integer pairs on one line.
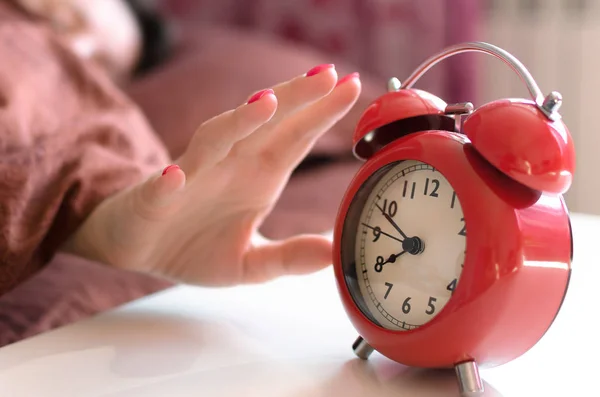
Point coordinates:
[[379, 264]]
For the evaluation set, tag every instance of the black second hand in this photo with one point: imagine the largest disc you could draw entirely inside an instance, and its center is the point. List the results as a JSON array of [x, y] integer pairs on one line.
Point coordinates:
[[382, 232]]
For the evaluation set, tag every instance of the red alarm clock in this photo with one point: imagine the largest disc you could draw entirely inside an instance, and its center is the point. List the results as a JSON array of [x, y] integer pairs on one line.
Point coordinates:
[[453, 243]]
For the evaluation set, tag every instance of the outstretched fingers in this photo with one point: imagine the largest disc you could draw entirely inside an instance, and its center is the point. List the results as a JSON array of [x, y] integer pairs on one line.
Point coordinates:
[[293, 96], [295, 136], [214, 139], [254, 125]]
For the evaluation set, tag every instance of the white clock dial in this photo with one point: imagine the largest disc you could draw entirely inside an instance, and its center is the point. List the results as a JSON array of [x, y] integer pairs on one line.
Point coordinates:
[[410, 246]]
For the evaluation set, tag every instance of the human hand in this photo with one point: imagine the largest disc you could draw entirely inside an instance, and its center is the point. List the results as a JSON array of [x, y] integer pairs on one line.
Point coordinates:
[[197, 222]]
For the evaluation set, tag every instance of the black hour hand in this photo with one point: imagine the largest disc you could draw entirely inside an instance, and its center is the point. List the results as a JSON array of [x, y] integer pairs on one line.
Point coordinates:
[[380, 261]]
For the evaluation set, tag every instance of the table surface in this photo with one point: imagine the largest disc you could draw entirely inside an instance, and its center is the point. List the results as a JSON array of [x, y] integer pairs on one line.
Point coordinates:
[[286, 338]]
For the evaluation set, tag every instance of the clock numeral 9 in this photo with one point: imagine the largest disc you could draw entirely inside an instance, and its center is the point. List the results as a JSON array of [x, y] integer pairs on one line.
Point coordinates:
[[376, 233], [392, 209]]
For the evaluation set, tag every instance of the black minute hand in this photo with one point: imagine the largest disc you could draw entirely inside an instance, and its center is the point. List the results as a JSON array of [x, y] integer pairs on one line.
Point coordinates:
[[390, 220]]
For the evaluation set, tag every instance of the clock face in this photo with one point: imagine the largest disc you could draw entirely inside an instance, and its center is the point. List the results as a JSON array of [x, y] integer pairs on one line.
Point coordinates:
[[409, 245]]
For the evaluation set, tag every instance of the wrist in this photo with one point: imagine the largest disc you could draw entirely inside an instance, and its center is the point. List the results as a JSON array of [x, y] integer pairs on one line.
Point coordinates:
[[89, 240], [114, 235]]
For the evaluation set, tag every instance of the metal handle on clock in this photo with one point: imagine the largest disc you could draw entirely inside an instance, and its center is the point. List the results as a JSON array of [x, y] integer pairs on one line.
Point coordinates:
[[549, 105]]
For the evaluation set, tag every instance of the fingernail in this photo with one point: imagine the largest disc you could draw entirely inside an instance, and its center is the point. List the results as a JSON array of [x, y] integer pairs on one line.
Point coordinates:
[[319, 69], [170, 168], [350, 76], [259, 95]]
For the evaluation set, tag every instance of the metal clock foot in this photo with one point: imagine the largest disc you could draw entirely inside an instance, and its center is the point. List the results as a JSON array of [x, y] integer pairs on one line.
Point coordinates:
[[361, 348], [469, 382]]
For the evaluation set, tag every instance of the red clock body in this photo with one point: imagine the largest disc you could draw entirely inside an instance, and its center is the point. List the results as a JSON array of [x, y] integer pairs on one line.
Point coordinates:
[[517, 241]]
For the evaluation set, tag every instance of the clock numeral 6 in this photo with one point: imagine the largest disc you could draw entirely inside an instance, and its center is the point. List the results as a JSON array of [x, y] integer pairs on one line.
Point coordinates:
[[406, 306]]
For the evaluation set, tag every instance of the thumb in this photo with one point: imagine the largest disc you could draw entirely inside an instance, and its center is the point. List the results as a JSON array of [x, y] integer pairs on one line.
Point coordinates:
[[297, 255]]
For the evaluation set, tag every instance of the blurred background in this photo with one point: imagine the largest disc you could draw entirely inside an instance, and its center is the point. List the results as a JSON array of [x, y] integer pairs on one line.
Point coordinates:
[[557, 42], [555, 39]]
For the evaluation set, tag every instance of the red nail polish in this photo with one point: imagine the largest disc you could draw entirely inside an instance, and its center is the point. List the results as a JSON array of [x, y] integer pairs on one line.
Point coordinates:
[[259, 95], [348, 77], [319, 69], [170, 168]]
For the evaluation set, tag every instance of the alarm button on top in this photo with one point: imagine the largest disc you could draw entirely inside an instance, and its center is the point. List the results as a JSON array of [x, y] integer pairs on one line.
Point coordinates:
[[520, 141], [396, 114]]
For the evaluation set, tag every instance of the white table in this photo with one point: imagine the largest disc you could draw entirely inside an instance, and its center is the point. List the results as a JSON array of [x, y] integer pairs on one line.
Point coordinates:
[[287, 338]]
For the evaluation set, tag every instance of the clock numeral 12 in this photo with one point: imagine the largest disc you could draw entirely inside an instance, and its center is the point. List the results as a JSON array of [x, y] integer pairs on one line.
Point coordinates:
[[435, 188]]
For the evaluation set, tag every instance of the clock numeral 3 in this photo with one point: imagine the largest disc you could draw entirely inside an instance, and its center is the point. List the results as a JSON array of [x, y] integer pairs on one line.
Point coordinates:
[[463, 231], [436, 184]]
